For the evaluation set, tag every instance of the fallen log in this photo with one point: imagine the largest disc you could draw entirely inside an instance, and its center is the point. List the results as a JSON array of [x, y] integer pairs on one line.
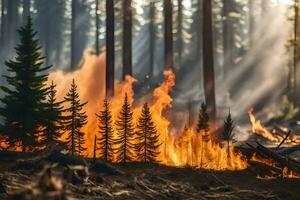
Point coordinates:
[[282, 161], [286, 137], [289, 150]]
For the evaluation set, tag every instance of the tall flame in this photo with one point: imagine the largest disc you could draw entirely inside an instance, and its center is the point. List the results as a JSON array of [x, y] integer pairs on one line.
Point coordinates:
[[184, 150], [259, 129]]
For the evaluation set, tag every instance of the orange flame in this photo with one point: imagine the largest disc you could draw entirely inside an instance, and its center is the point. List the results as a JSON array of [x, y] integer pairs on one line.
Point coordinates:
[[286, 173], [179, 151], [259, 129]]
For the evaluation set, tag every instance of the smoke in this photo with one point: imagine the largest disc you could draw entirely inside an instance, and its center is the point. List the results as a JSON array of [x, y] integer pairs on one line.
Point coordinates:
[[90, 79]]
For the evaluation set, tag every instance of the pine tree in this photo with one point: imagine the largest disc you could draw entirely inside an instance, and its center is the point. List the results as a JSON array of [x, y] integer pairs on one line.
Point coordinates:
[[54, 127], [24, 103], [74, 121], [147, 147], [203, 119], [105, 138], [228, 132], [203, 127], [125, 131]]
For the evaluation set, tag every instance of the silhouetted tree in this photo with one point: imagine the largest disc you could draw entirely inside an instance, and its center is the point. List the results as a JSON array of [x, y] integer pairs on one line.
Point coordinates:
[[203, 119], [105, 138], [228, 132], [75, 119], [125, 131], [168, 18], [127, 38], [54, 126], [147, 137], [203, 127], [208, 59], [24, 103], [110, 48]]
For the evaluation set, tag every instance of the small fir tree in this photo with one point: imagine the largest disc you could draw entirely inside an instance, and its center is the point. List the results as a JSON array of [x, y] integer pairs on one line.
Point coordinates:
[[125, 130], [203, 120], [75, 119], [54, 126], [105, 136], [203, 127], [147, 136], [24, 102], [228, 133]]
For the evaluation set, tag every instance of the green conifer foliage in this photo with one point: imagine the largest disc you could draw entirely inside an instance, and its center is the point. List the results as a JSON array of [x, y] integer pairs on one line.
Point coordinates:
[[125, 130], [54, 126], [105, 136], [75, 119], [24, 102], [228, 133], [147, 136]]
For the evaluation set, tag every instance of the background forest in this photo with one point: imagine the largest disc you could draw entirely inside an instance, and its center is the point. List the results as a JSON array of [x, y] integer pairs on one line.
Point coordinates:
[[253, 44]]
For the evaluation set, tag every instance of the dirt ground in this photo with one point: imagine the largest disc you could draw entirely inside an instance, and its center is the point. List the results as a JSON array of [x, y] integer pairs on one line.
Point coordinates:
[[43, 180]]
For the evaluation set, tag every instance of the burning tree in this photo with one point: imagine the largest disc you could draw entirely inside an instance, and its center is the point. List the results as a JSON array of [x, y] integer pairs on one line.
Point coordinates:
[[203, 127], [105, 140], [147, 136], [125, 130], [74, 121], [228, 132], [54, 126], [24, 103]]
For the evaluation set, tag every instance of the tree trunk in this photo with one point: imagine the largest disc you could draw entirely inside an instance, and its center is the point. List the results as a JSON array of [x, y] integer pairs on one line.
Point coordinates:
[[168, 16], [12, 23], [97, 28], [297, 54], [26, 10], [73, 34], [208, 60], [110, 48], [127, 38], [179, 32], [265, 7], [228, 148], [95, 148], [3, 19], [152, 37], [251, 22], [228, 38]]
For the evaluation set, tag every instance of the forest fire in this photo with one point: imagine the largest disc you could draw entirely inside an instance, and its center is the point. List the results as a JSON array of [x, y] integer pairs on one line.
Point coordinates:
[[273, 136], [187, 149]]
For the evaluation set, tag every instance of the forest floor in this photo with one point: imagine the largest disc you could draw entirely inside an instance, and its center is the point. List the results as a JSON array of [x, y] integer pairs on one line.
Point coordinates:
[[43, 180]]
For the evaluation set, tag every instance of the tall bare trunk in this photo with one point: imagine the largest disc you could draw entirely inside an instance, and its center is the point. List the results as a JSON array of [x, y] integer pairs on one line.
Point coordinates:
[[208, 59], [110, 48], [179, 31], [251, 22], [97, 28], [26, 10], [297, 53], [228, 38], [127, 38], [73, 34], [168, 17], [152, 37], [3, 19]]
